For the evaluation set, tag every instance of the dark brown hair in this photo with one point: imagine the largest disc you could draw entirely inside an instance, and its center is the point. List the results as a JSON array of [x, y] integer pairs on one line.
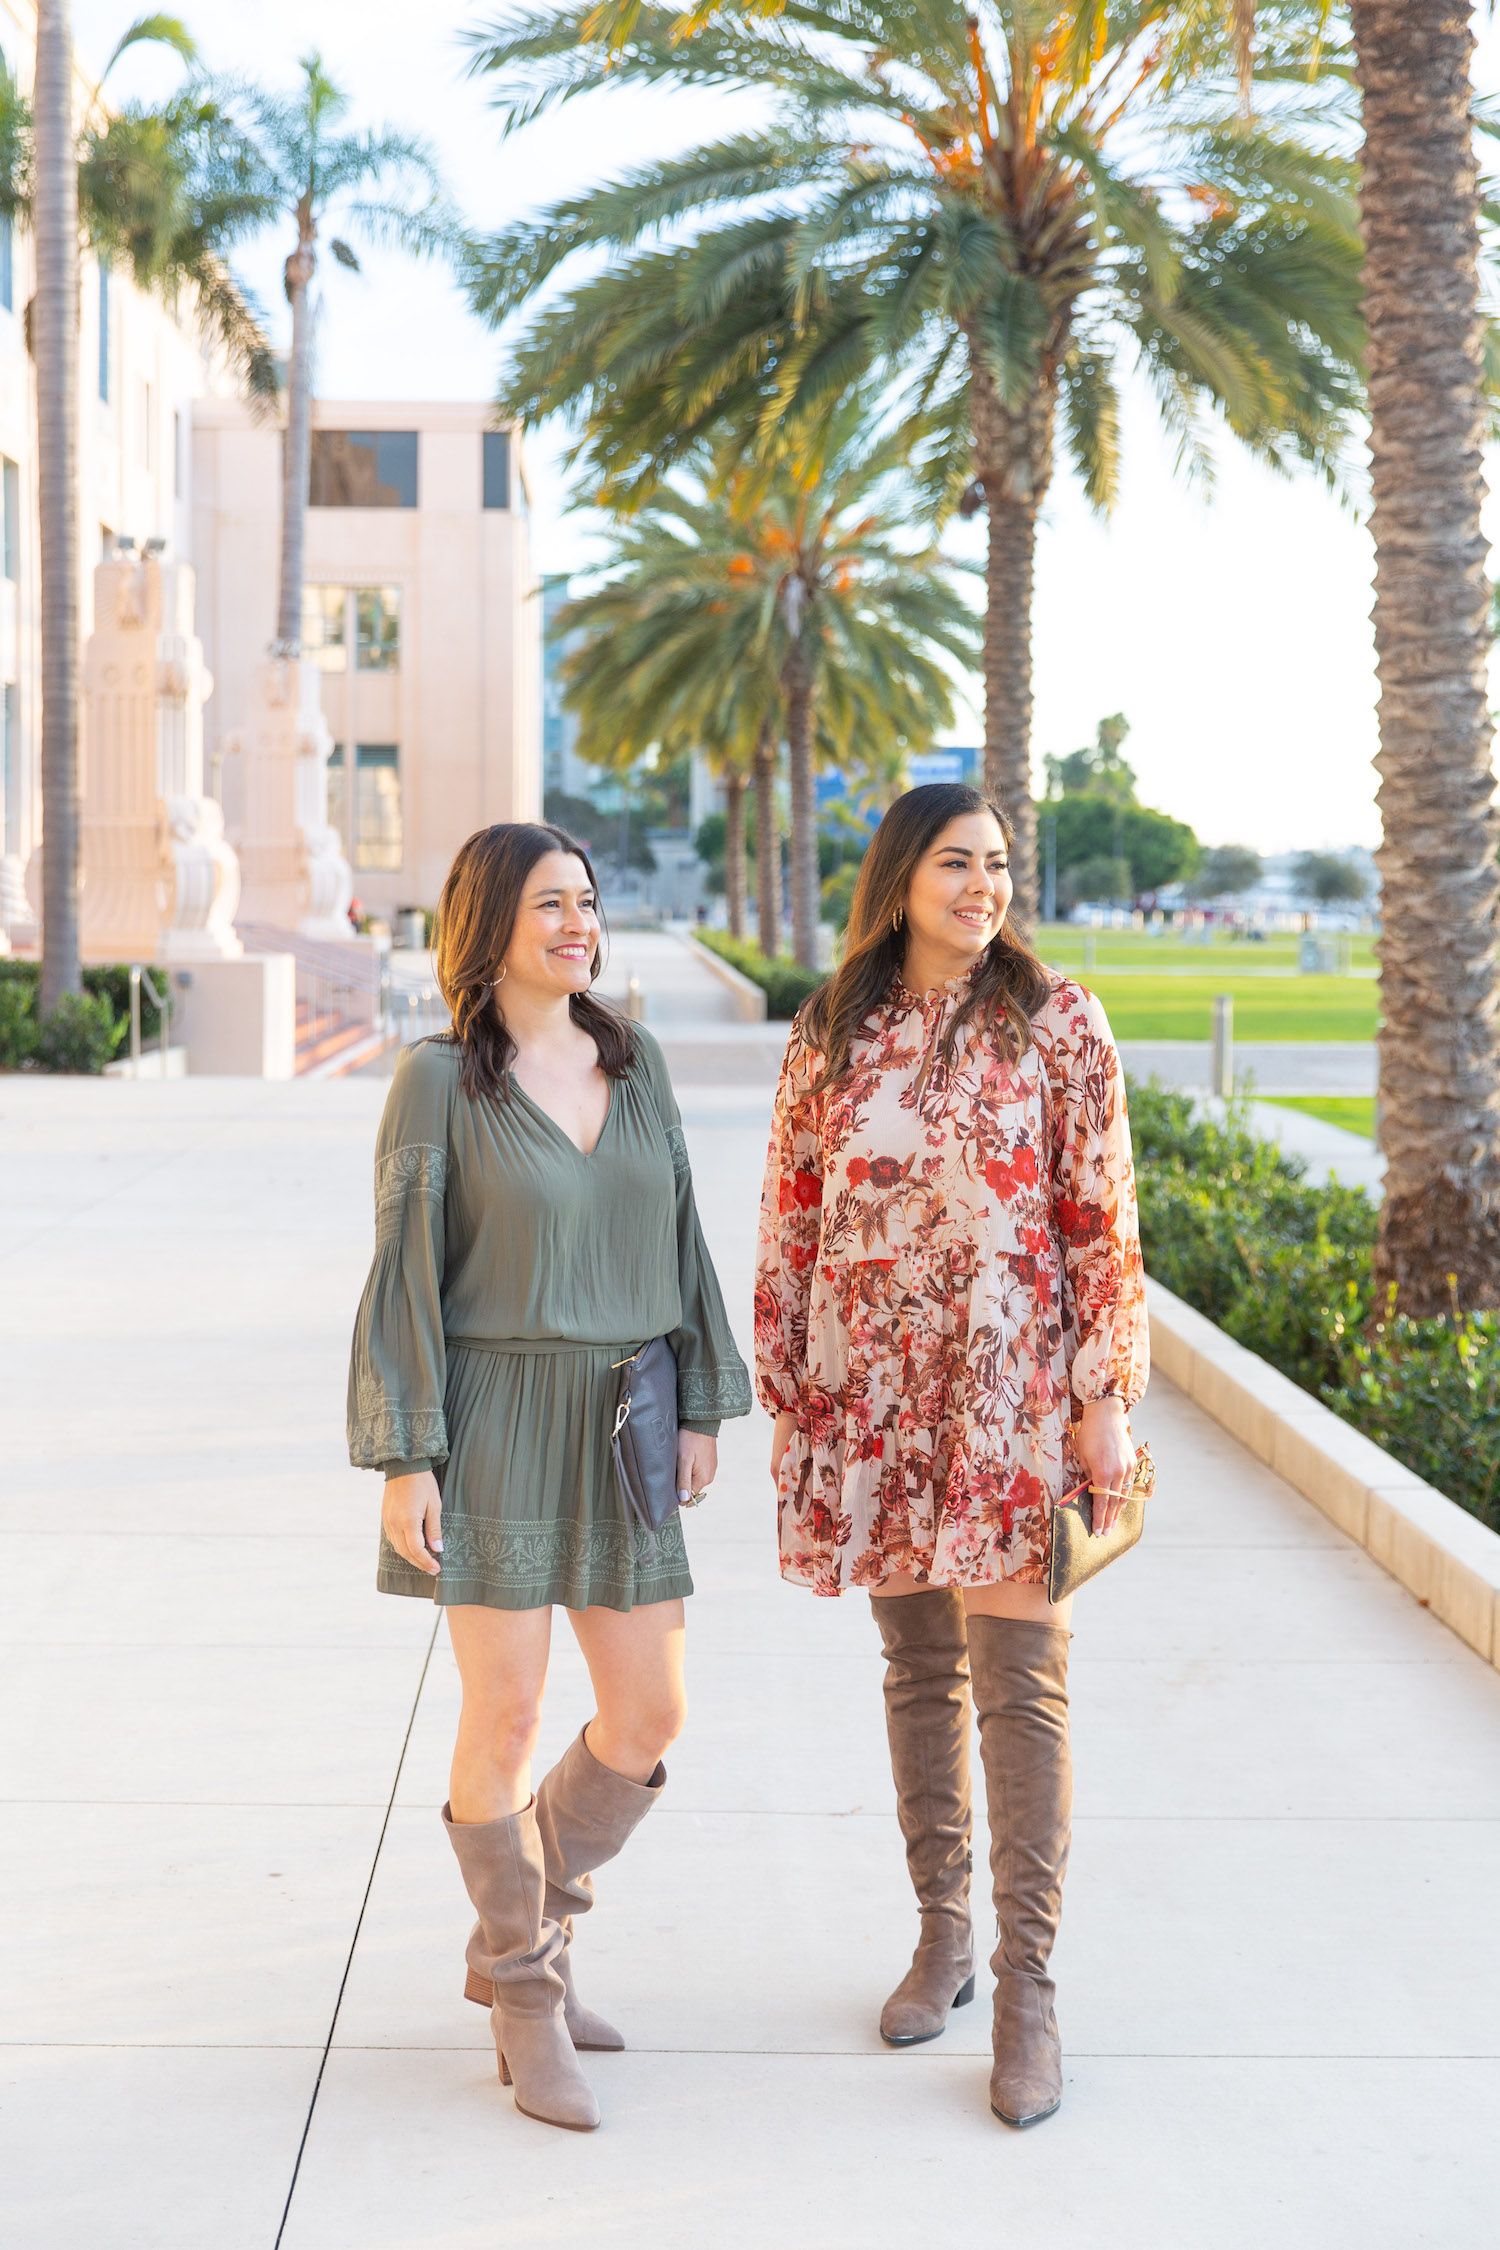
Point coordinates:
[[1011, 986], [475, 919]]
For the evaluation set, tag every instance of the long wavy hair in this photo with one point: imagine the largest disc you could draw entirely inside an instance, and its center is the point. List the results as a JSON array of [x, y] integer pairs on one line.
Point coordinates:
[[476, 918], [1011, 986]]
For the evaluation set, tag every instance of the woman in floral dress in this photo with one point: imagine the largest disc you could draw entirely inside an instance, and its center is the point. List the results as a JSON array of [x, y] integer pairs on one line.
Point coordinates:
[[950, 1330]]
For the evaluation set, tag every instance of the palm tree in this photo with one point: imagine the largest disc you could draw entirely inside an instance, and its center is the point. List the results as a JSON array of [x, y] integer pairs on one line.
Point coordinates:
[[944, 197], [1439, 1058], [55, 334], [126, 182], [383, 185], [790, 586]]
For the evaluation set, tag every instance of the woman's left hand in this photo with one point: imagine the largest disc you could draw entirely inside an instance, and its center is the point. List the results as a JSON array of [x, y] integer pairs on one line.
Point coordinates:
[[697, 1464], [1102, 1438]]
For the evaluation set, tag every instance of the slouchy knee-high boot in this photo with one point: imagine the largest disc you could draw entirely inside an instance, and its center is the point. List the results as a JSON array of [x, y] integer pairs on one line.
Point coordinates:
[[586, 1814], [501, 1864], [1020, 1673], [927, 1721]]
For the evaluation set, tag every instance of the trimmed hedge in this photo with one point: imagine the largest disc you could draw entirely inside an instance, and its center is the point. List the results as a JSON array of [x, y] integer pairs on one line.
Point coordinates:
[[784, 984], [81, 1035], [1232, 1225]]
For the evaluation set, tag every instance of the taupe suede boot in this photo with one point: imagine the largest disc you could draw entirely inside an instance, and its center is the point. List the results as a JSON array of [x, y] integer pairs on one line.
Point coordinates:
[[1020, 1675], [586, 1814], [927, 1721], [501, 1864]]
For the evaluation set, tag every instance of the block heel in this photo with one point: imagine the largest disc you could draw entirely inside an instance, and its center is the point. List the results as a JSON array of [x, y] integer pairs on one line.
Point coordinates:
[[964, 1994]]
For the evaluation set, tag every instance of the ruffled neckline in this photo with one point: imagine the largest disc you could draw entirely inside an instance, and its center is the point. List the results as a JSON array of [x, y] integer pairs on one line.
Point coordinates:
[[902, 995]]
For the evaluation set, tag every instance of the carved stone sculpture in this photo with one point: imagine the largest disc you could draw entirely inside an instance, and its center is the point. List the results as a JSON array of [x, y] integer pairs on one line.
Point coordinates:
[[294, 875]]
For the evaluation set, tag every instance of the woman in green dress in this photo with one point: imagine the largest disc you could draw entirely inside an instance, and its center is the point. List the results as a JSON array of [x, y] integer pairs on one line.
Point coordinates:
[[535, 1226]]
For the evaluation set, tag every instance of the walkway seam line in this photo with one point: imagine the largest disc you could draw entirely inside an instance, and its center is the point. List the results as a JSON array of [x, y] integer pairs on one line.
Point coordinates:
[[333, 2022]]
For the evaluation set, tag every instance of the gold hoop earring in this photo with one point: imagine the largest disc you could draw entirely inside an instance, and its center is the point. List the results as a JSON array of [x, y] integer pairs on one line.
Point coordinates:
[[501, 978], [897, 918]]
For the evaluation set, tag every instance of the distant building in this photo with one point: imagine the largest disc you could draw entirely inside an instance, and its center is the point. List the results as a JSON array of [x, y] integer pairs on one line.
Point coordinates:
[[421, 610]]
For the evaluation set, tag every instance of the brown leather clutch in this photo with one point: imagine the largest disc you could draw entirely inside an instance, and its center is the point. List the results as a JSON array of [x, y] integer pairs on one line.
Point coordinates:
[[1077, 1555]]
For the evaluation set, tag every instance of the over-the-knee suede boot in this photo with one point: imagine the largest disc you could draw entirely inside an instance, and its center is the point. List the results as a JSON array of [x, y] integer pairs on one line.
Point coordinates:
[[927, 1720], [501, 1864], [1020, 1674], [586, 1813]]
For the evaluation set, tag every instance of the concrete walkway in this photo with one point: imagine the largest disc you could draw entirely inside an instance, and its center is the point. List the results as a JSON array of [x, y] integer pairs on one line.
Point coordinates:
[[231, 1963]]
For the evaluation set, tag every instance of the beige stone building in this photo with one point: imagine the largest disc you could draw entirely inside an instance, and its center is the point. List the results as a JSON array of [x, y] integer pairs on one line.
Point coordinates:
[[421, 612]]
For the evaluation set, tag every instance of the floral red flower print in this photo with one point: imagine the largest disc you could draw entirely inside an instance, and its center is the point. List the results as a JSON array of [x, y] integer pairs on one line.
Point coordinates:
[[934, 1312]]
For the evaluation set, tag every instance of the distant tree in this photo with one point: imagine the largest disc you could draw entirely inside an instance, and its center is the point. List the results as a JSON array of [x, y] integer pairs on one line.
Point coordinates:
[[599, 832], [1156, 849], [1227, 870], [1098, 771], [1327, 878], [1097, 879]]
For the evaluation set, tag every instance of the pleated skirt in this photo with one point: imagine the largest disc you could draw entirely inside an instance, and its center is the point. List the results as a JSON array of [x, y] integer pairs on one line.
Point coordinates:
[[531, 1511]]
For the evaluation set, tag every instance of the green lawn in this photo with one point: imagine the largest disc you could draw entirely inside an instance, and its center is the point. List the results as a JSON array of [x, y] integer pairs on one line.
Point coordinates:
[[1179, 1007], [1166, 953], [1355, 1112]]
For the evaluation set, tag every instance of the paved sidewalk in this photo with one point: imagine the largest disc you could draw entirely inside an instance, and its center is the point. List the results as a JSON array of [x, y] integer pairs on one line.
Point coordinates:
[[234, 1932]]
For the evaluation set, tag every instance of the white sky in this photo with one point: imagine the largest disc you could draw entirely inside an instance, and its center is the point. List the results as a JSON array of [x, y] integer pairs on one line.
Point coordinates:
[[1232, 629]]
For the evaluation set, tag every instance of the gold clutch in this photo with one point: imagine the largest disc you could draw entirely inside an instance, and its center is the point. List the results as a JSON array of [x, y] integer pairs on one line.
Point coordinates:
[[1077, 1556]]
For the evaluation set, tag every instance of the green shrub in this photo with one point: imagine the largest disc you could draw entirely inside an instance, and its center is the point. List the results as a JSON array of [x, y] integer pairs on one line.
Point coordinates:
[[80, 1035], [109, 981], [1231, 1225], [18, 1024], [784, 984], [1429, 1392]]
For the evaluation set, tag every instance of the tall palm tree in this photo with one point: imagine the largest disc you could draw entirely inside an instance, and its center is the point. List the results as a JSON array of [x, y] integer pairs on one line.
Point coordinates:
[[55, 337], [692, 639], [793, 584], [1439, 1052], [309, 170], [125, 182], [987, 198]]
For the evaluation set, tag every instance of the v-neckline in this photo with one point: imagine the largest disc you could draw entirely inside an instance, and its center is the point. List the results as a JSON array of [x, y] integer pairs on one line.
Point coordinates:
[[585, 1155]]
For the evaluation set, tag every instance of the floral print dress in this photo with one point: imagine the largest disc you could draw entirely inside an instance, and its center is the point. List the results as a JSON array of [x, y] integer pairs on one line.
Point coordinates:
[[948, 1269]]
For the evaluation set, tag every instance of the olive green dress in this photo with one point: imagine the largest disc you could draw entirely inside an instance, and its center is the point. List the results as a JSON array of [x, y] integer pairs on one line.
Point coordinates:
[[511, 1273]]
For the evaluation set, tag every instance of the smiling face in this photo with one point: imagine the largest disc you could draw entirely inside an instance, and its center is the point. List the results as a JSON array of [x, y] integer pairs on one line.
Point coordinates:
[[959, 892], [556, 933]]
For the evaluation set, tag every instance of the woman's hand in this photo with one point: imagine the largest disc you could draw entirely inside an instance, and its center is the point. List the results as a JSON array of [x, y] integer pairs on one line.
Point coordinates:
[[781, 1437], [1103, 1441], [697, 1464], [412, 1508]]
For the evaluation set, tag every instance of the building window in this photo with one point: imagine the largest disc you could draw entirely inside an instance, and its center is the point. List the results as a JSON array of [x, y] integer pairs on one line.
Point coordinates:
[[497, 468], [104, 329], [378, 610], [377, 805], [323, 640], [10, 479], [10, 751], [363, 469], [377, 827], [7, 264]]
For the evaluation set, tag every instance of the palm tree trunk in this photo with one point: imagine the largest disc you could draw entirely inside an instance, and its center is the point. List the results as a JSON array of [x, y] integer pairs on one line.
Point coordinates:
[[1439, 1057], [767, 844], [297, 457], [798, 682], [736, 867], [55, 328], [1013, 464]]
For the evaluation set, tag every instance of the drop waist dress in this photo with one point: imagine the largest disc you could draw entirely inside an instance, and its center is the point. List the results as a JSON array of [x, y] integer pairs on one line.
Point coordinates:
[[949, 1268], [511, 1273]]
